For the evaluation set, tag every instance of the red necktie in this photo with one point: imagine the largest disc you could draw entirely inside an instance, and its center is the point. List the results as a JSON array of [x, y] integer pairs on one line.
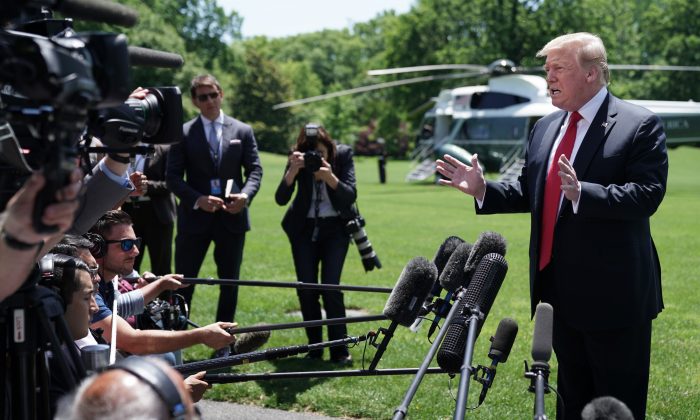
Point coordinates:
[[552, 191]]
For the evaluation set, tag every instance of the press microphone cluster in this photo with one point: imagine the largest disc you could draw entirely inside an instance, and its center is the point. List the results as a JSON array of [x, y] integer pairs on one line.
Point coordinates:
[[541, 353], [94, 10]]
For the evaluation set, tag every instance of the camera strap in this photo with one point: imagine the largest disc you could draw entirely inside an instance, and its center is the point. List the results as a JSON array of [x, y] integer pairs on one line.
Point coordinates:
[[317, 208]]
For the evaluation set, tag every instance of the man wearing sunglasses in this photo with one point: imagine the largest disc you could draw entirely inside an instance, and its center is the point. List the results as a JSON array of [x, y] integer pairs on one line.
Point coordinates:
[[117, 259], [219, 159]]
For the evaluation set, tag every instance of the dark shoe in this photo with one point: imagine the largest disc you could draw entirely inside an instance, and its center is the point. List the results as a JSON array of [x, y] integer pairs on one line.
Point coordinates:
[[343, 360]]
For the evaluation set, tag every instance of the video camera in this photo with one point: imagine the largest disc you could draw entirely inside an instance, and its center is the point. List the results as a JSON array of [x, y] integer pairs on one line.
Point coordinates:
[[55, 83]]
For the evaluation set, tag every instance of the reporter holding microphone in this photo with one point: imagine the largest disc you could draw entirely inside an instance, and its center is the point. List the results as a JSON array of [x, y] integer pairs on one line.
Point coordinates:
[[315, 224]]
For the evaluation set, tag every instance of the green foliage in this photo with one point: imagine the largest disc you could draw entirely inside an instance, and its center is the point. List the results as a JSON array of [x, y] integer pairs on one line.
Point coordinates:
[[409, 220]]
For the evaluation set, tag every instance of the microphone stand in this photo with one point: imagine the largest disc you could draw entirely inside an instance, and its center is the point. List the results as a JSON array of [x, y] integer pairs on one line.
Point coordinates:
[[466, 369], [289, 325], [388, 333], [268, 354], [227, 378], [402, 409], [539, 377], [293, 285]]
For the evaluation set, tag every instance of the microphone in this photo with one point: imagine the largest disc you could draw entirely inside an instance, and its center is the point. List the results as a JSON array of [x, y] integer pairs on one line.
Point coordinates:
[[541, 352], [406, 299], [542, 336], [488, 242], [248, 342], [139, 56], [479, 296], [501, 343], [606, 408], [97, 11], [451, 278], [442, 255]]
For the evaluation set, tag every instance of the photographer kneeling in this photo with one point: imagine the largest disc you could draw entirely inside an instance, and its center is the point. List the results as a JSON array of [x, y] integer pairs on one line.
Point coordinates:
[[315, 225]]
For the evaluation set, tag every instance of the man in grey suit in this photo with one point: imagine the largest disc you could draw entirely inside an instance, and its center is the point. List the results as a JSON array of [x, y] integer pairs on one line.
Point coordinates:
[[595, 172], [216, 154]]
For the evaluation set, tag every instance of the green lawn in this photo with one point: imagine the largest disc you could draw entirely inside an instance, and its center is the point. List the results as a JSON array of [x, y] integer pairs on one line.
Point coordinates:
[[409, 220]]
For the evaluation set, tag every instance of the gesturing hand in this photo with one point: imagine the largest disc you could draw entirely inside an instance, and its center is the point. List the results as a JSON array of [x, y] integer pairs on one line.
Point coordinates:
[[468, 179]]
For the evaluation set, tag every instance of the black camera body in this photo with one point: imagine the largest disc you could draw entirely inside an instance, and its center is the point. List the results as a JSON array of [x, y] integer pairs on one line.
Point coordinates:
[[356, 229], [313, 160]]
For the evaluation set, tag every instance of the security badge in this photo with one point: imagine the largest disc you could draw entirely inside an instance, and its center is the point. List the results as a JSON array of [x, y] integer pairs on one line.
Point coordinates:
[[215, 186]]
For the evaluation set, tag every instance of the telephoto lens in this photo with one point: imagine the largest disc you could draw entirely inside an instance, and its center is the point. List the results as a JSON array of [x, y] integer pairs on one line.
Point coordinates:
[[355, 228]]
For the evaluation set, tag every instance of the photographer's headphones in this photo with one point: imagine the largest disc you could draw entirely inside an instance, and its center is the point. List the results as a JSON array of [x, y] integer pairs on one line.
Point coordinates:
[[158, 380], [99, 246], [47, 270]]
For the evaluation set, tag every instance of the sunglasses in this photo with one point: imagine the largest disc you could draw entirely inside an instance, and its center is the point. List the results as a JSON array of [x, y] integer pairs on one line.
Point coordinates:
[[126, 244], [203, 97]]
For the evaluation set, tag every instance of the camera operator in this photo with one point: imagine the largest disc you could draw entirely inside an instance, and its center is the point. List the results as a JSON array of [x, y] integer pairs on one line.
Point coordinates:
[[21, 245], [71, 279], [315, 225], [120, 249]]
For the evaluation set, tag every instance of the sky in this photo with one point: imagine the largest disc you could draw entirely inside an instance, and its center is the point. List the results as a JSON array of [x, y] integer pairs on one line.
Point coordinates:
[[279, 18]]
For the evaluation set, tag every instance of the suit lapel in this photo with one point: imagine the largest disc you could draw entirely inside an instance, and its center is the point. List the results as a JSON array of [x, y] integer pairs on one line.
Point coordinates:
[[602, 123], [226, 136]]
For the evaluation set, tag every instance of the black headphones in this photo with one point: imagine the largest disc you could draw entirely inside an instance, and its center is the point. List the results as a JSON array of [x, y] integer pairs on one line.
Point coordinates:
[[158, 380], [99, 245], [47, 270]]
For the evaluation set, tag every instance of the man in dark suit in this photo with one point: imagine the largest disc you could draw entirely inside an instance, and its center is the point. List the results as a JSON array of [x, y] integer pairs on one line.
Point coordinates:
[[217, 152], [591, 252], [153, 213]]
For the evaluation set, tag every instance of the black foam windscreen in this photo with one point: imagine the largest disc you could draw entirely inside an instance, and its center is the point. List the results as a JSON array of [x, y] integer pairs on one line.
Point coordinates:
[[606, 408], [446, 249], [503, 340], [452, 275], [250, 341], [542, 336], [487, 243], [139, 56], [412, 287], [157, 379], [480, 293], [98, 11]]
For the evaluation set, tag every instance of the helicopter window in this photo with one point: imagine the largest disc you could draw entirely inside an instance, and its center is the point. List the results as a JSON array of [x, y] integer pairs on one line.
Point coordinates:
[[427, 129], [501, 128], [495, 100]]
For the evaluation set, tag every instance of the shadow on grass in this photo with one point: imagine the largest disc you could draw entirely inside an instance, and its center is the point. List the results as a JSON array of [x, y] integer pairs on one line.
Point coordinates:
[[285, 391]]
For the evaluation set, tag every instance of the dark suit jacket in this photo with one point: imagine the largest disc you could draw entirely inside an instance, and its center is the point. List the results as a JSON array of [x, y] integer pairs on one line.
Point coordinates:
[[162, 199], [239, 159], [342, 198], [605, 266]]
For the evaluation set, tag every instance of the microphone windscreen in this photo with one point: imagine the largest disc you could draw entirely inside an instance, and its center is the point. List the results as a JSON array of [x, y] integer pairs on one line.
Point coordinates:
[[99, 11], [412, 287], [452, 275], [487, 243], [480, 293], [503, 340], [139, 56], [542, 336], [250, 341], [606, 408], [446, 249]]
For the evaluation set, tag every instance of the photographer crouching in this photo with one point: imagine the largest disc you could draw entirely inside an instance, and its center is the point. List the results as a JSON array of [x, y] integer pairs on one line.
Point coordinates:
[[315, 225]]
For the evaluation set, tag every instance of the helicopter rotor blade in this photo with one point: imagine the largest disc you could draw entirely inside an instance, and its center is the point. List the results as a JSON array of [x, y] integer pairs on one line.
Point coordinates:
[[432, 67], [368, 88], [652, 67]]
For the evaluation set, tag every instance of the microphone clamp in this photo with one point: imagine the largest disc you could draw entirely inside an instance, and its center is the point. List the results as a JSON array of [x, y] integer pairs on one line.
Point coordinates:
[[484, 375], [539, 369]]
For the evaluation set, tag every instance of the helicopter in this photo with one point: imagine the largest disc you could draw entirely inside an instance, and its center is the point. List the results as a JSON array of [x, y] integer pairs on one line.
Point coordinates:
[[494, 120]]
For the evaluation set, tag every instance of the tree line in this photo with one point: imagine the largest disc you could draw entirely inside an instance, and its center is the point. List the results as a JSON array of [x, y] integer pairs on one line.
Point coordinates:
[[259, 72]]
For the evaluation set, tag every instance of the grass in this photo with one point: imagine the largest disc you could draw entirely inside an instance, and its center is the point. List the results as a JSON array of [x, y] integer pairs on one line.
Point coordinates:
[[407, 220]]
